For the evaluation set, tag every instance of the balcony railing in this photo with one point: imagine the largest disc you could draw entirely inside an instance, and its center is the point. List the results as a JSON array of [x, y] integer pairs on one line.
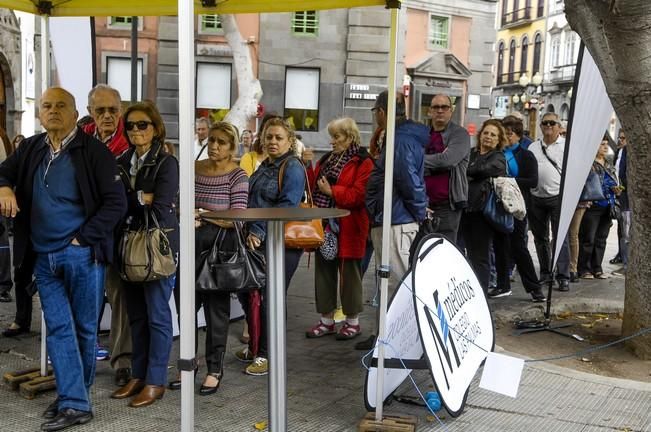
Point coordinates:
[[562, 73], [517, 17], [510, 77]]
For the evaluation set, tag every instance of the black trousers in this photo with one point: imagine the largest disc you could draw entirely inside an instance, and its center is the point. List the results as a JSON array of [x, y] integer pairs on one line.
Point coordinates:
[[512, 248], [5, 257], [542, 213], [216, 307], [478, 237], [292, 258], [449, 221], [593, 234]]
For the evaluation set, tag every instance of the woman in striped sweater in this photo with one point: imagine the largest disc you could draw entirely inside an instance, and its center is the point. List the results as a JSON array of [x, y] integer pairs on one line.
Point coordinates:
[[220, 184]]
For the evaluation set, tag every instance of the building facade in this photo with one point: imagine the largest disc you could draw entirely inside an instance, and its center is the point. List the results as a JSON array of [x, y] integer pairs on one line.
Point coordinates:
[[520, 60], [561, 55], [11, 69]]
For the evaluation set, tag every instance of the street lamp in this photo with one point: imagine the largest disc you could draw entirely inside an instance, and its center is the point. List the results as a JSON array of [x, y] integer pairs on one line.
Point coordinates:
[[516, 99], [524, 80], [569, 92], [537, 79]]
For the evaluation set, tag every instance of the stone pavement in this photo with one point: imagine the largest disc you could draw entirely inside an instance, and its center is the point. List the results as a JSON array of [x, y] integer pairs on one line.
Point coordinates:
[[326, 382]]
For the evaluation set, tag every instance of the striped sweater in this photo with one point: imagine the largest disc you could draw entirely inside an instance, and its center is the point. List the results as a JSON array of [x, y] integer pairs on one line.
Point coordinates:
[[228, 191]]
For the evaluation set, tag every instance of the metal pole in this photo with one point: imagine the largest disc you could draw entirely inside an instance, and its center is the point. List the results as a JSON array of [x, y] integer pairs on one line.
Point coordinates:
[[386, 211], [276, 326], [45, 83], [134, 59], [186, 114]]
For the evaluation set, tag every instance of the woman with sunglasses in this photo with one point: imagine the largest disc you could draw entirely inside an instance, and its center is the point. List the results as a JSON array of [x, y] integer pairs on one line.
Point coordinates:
[[278, 182], [486, 161], [151, 180]]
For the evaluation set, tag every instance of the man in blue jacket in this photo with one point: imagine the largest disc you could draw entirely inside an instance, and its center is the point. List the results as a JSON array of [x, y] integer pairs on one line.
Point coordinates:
[[409, 200], [67, 201]]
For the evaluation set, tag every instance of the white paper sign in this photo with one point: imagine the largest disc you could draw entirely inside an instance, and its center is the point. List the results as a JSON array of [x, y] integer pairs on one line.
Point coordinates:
[[502, 374], [453, 317]]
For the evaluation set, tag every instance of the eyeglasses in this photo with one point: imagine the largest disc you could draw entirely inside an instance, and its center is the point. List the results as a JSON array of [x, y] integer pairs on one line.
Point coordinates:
[[622, 138], [101, 110], [439, 107], [549, 123], [141, 125]]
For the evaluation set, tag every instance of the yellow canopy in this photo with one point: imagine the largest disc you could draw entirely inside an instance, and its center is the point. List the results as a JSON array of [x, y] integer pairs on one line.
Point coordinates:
[[170, 7]]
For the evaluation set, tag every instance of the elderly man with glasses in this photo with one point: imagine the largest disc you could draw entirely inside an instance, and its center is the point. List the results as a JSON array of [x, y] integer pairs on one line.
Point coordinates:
[[105, 107], [546, 201], [446, 160]]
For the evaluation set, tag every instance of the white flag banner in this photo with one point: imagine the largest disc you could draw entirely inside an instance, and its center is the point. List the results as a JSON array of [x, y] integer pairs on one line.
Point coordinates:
[[589, 118], [74, 65]]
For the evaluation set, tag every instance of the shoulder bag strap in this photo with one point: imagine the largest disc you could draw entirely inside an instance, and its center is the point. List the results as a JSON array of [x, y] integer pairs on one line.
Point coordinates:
[[201, 152], [544, 150]]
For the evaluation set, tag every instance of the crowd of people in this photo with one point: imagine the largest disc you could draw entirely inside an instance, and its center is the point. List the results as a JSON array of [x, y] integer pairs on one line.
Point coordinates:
[[72, 191]]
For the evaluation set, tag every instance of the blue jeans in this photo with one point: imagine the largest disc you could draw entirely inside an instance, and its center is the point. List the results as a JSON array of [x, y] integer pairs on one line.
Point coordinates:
[[151, 328], [71, 287]]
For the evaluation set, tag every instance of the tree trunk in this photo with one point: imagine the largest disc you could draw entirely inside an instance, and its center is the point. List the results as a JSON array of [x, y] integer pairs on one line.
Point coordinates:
[[249, 90], [618, 35]]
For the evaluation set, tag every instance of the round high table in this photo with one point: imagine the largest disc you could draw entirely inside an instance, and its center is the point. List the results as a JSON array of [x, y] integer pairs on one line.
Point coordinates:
[[276, 218]]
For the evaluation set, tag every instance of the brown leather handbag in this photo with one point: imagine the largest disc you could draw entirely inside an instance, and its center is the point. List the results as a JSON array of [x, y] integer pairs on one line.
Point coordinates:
[[308, 234]]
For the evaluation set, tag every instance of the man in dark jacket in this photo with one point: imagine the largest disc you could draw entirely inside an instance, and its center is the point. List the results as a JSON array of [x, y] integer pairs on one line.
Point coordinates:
[[104, 106], [409, 201], [624, 218], [446, 161], [67, 201]]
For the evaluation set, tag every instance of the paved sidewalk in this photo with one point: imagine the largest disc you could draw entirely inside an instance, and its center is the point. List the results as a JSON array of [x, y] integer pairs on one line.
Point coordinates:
[[326, 383]]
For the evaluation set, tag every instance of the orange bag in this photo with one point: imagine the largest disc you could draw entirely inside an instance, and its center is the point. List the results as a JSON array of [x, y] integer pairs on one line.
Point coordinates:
[[308, 234]]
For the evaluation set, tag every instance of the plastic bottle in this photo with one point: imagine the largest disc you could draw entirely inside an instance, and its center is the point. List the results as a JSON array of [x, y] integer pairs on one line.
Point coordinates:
[[433, 401]]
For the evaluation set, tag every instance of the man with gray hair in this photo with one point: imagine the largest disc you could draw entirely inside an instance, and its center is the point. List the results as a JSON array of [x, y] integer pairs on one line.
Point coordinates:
[[202, 126], [546, 201], [105, 107]]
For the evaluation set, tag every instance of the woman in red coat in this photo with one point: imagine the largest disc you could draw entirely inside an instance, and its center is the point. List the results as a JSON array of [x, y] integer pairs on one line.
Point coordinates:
[[339, 180]]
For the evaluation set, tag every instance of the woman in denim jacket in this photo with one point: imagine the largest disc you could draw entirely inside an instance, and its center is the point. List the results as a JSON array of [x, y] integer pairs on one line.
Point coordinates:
[[267, 190]]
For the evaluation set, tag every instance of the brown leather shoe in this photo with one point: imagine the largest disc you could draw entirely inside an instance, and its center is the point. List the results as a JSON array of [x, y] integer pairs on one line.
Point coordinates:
[[133, 387], [148, 395]]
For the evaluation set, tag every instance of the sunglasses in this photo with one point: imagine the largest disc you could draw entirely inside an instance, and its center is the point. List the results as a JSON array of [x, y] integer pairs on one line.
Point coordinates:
[[141, 125], [439, 107], [549, 123]]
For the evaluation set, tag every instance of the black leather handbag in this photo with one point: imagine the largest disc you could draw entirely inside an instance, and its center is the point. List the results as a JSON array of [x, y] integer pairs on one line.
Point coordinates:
[[229, 265], [592, 191]]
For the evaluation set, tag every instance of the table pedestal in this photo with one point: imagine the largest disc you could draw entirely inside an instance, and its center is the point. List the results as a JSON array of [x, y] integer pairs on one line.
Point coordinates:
[[276, 325]]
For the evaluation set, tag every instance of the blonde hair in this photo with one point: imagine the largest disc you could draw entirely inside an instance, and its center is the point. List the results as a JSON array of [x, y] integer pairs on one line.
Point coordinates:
[[291, 134], [348, 127], [230, 130]]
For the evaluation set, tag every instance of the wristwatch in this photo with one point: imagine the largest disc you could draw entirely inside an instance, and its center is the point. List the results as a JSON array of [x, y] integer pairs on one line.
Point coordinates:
[[141, 198]]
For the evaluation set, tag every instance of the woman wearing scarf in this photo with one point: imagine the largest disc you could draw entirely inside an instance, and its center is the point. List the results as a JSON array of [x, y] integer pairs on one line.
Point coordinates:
[[339, 180]]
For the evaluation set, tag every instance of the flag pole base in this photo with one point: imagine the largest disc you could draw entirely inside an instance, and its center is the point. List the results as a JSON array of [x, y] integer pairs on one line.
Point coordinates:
[[389, 423]]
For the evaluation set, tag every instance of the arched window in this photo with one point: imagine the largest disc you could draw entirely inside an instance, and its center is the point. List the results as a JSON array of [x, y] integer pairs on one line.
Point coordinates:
[[556, 51], [511, 60], [500, 63], [565, 112], [550, 108], [570, 44], [524, 55], [537, 47], [541, 8]]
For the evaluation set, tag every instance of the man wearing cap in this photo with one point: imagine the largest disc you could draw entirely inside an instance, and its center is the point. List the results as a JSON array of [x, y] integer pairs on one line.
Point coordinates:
[[545, 205], [446, 161], [409, 201]]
